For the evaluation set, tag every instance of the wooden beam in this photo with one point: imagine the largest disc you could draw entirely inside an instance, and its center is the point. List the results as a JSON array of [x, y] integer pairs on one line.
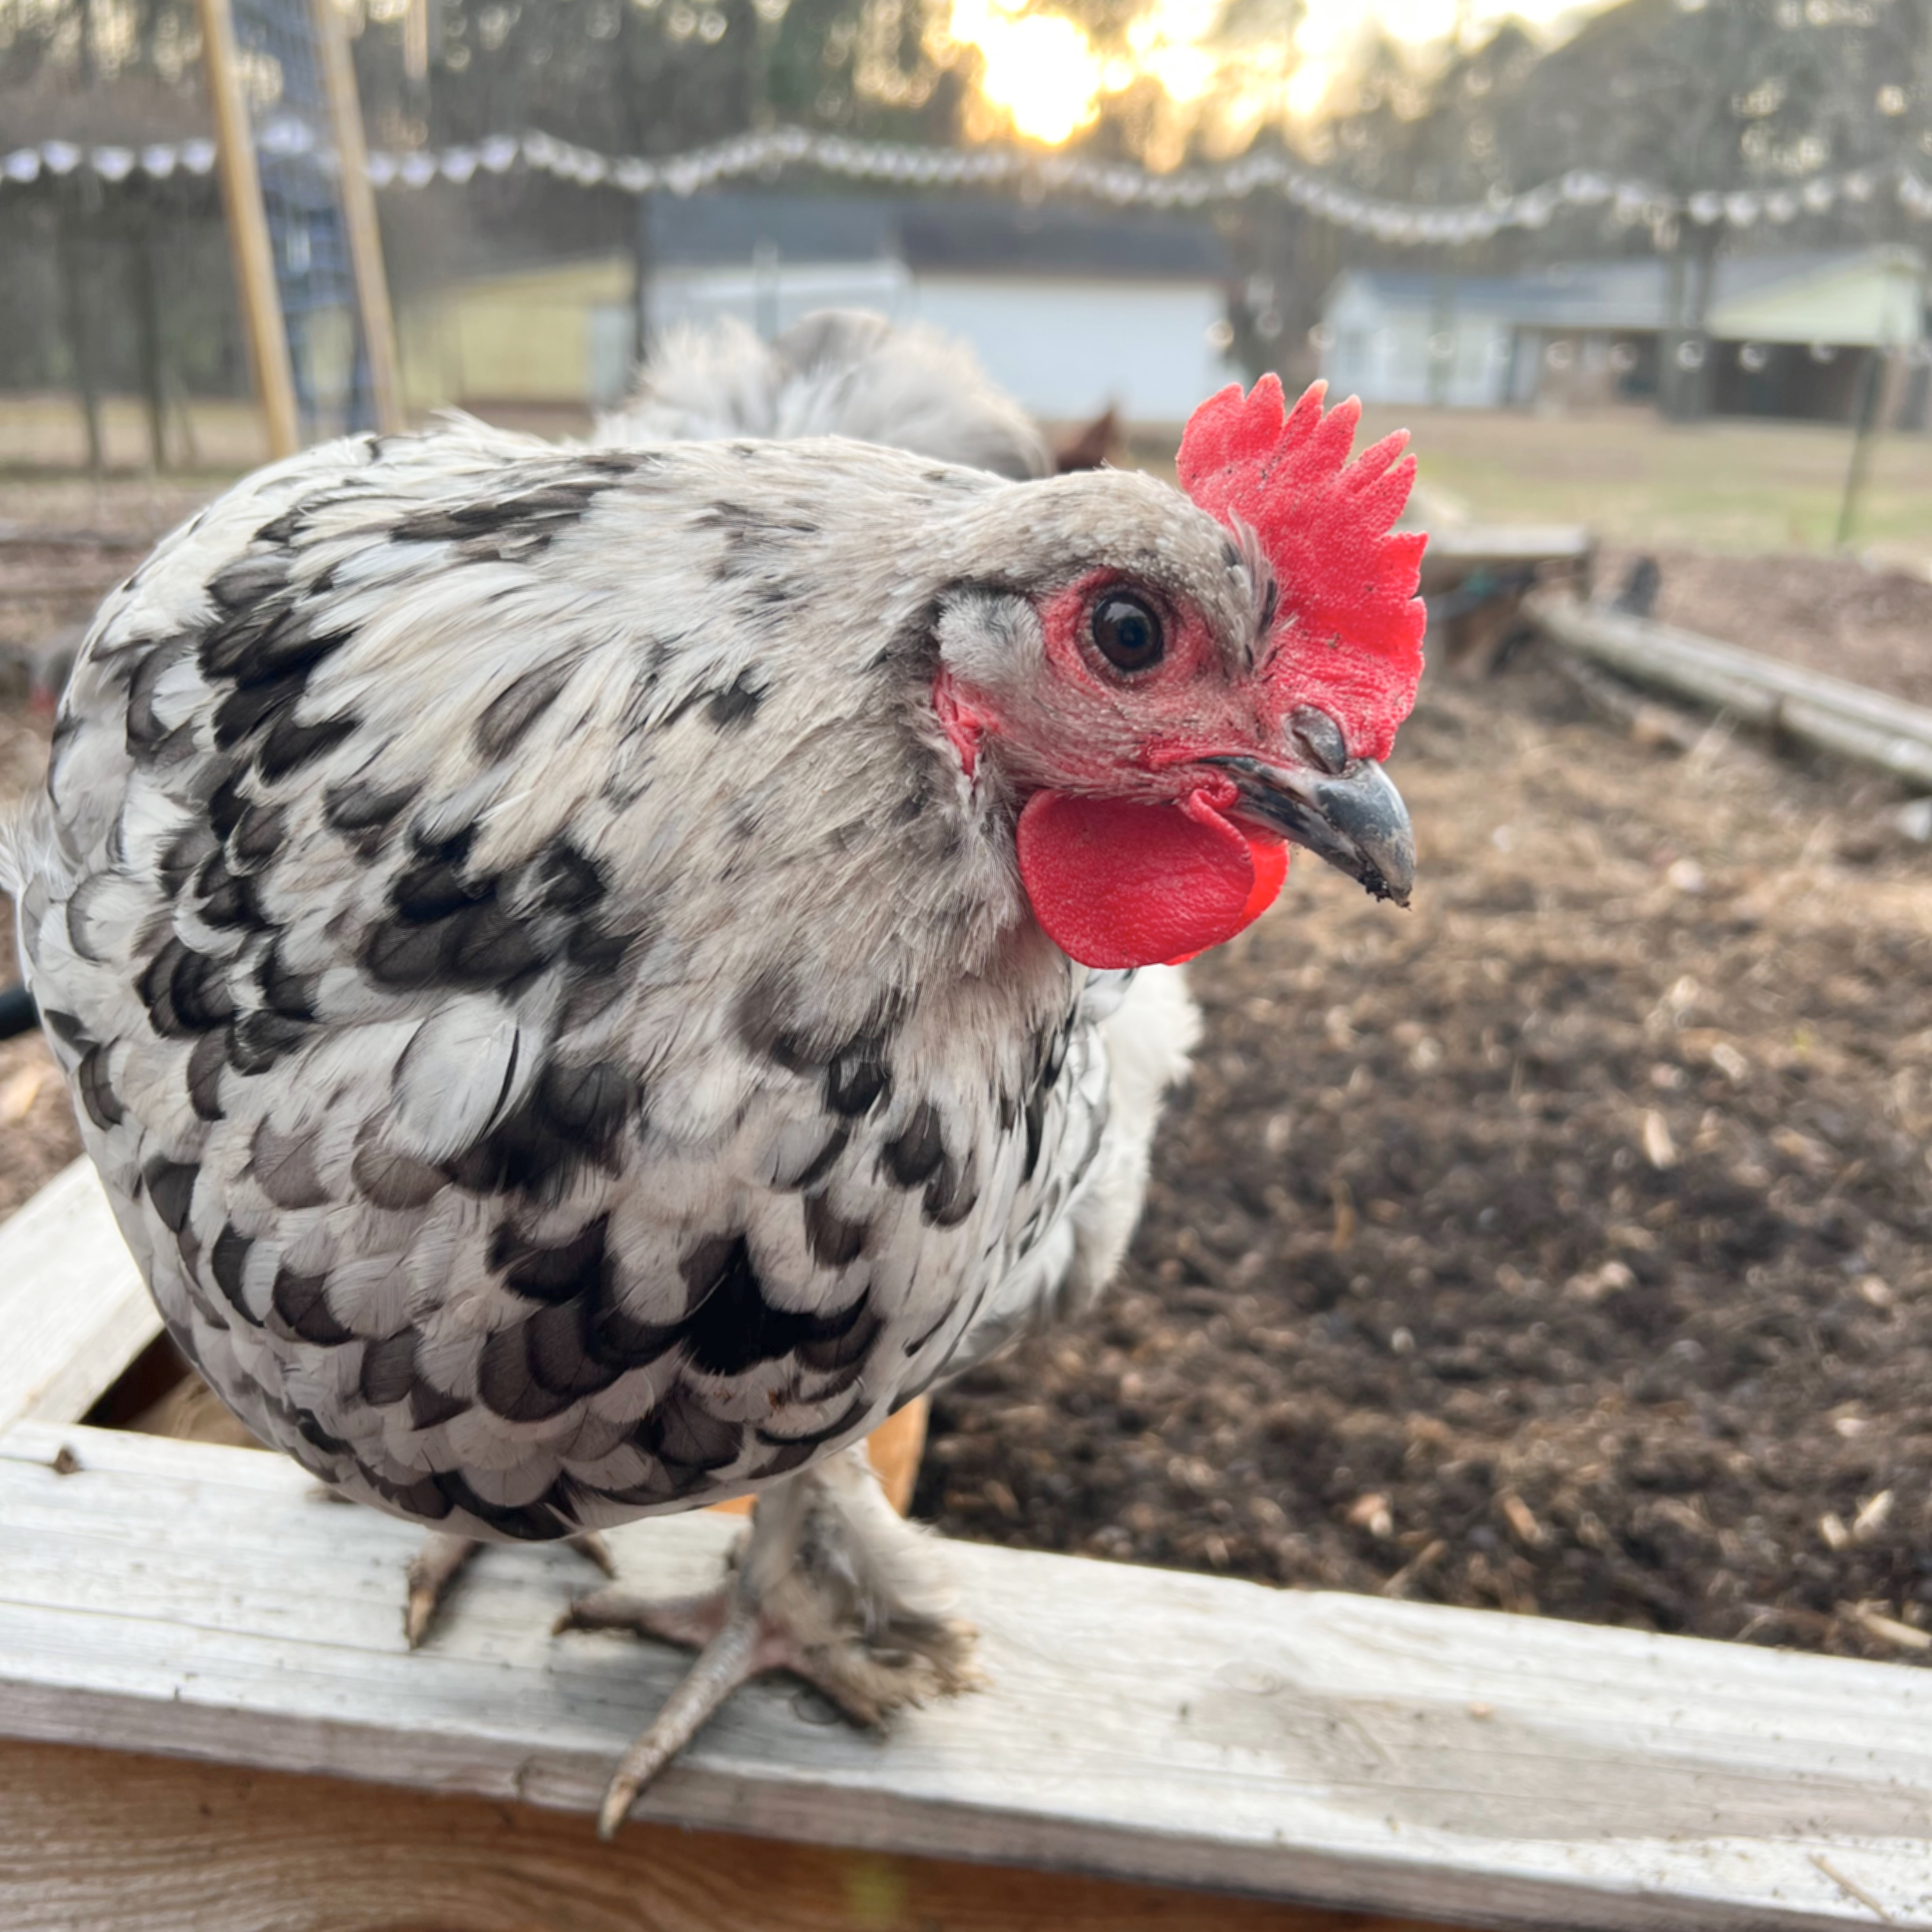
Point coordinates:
[[360, 224], [1140, 1725], [1456, 551], [73, 1309], [1871, 728], [77, 318], [248, 240], [115, 1842]]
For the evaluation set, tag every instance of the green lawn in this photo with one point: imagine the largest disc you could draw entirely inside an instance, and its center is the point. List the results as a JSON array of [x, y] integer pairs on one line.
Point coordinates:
[[1740, 487]]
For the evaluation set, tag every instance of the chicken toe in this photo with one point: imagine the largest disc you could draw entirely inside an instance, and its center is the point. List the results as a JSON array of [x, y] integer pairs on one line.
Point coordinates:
[[441, 1558], [831, 1585]]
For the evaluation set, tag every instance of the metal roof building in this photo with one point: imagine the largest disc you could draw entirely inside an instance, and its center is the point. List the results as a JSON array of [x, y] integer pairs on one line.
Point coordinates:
[[1070, 308], [1589, 331]]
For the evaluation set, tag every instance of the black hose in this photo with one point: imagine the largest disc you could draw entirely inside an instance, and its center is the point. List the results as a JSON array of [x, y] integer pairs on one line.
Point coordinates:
[[18, 1013]]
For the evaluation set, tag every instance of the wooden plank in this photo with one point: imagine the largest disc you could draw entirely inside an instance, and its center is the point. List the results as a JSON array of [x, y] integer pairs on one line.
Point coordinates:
[[1831, 713], [115, 1843], [1457, 550], [46, 590], [1140, 1725], [73, 1309], [248, 240], [359, 221]]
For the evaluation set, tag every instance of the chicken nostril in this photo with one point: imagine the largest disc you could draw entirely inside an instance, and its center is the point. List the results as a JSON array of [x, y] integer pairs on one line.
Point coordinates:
[[1318, 738]]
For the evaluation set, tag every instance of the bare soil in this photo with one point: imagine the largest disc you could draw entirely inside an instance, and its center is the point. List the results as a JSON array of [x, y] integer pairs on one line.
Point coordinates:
[[1560, 1245]]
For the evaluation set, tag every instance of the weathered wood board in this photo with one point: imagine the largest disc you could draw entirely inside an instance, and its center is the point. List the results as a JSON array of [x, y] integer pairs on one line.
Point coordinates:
[[74, 1311], [110, 1842], [1140, 1725], [1872, 727], [1456, 551]]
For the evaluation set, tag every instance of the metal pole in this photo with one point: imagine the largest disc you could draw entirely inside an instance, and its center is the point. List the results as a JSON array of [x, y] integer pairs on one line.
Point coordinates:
[[248, 232], [148, 325], [1865, 427], [364, 233], [75, 316], [640, 289]]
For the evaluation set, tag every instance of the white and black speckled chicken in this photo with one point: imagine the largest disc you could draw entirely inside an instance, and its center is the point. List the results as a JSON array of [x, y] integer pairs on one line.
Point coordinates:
[[592, 976]]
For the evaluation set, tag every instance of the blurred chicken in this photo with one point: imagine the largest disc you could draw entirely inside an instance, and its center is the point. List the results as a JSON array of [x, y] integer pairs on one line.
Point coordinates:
[[840, 372], [36, 674], [1091, 446]]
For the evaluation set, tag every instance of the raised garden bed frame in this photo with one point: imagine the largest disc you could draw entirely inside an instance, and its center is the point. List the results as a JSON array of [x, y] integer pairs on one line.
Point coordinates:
[[1154, 1749]]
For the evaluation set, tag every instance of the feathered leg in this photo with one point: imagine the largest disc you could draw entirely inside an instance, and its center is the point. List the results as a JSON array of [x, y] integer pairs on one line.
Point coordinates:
[[830, 1585]]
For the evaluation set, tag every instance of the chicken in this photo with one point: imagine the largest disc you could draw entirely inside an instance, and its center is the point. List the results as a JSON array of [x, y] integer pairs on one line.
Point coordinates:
[[592, 976], [839, 372], [1090, 446], [836, 372]]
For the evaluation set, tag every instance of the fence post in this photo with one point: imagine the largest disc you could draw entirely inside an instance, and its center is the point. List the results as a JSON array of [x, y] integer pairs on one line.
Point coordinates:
[[69, 240], [364, 233], [248, 232]]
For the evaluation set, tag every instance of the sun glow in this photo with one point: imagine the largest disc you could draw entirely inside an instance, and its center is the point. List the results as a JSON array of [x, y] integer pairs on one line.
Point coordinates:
[[1166, 44], [1332, 34], [1039, 70], [1042, 76]]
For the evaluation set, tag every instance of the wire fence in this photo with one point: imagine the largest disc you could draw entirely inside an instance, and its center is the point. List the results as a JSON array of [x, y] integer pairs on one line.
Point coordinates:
[[301, 198]]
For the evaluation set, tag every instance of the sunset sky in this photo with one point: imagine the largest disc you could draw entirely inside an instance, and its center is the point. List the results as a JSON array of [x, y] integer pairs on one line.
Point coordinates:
[[1043, 75]]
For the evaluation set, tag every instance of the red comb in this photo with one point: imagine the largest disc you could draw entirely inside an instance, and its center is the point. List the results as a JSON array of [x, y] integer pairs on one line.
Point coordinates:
[[1347, 636]]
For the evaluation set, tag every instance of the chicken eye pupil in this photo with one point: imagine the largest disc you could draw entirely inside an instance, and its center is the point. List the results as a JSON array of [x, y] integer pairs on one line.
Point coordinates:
[[1126, 633]]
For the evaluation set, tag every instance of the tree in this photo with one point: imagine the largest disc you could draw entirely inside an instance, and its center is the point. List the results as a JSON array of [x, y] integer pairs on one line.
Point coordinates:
[[1704, 101]]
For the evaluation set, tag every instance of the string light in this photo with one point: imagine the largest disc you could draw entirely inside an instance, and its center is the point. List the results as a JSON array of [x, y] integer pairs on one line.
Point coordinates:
[[769, 152]]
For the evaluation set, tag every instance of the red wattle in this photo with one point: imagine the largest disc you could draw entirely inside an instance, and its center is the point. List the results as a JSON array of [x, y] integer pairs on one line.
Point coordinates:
[[1270, 858], [1116, 884]]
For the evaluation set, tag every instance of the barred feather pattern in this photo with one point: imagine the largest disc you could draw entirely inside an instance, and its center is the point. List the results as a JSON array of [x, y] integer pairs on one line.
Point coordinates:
[[562, 1051]]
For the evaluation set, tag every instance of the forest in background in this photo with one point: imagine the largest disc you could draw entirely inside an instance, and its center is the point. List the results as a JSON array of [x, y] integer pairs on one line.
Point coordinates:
[[1710, 95]]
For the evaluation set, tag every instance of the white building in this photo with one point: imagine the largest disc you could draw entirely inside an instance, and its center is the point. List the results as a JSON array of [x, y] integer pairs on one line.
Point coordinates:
[[1789, 332], [1070, 309]]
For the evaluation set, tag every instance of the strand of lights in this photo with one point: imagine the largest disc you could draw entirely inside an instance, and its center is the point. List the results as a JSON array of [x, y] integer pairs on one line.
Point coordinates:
[[1633, 202]]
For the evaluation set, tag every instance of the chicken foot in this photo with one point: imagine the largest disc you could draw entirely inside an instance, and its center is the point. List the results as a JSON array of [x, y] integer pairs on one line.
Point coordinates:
[[830, 1585], [441, 1558]]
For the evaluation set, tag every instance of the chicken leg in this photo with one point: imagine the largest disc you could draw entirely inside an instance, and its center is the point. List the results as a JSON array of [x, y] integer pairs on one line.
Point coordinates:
[[830, 1585], [893, 1449]]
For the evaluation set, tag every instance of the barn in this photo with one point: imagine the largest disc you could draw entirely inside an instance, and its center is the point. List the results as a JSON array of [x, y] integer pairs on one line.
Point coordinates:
[[1070, 310]]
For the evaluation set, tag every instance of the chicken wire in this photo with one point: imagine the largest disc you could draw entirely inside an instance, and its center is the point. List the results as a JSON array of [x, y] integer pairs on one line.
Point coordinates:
[[301, 196]]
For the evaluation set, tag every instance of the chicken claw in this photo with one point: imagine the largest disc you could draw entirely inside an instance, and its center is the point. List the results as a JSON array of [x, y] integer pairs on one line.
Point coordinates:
[[831, 1585]]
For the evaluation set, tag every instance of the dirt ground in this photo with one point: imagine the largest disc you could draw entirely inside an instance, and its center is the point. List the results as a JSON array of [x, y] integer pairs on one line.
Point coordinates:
[[1560, 1245]]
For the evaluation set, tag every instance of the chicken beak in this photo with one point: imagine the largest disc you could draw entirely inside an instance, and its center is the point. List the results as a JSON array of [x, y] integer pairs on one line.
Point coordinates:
[[1354, 819]]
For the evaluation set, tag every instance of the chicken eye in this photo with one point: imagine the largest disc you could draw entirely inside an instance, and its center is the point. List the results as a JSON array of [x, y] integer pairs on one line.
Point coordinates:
[[1127, 634]]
